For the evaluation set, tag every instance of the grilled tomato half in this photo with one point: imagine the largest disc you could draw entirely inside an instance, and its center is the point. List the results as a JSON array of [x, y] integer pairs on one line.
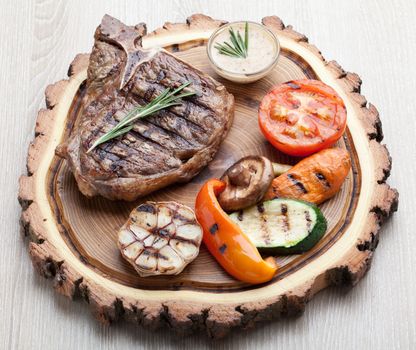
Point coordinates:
[[301, 117]]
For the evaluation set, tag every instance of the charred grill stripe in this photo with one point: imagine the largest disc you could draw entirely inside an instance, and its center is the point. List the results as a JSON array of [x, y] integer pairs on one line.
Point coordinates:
[[149, 93], [178, 73], [194, 105], [161, 256], [147, 254], [321, 177], [275, 193], [174, 116], [185, 117], [308, 220], [286, 223], [159, 87], [140, 137], [185, 220], [105, 152], [148, 140], [213, 229], [177, 111], [263, 223], [129, 160], [133, 131], [223, 248], [194, 114], [182, 239], [171, 131], [110, 113], [157, 152], [297, 183], [160, 129], [191, 126], [100, 131], [146, 208], [240, 215], [179, 124]]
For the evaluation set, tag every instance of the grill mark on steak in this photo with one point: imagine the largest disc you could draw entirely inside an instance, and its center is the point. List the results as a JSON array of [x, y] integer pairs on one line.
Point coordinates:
[[125, 165], [169, 113], [165, 119], [104, 124], [147, 144], [173, 145], [180, 127], [117, 150], [182, 152], [117, 158], [169, 139], [144, 139], [183, 115], [148, 91], [156, 141], [180, 72], [157, 134]]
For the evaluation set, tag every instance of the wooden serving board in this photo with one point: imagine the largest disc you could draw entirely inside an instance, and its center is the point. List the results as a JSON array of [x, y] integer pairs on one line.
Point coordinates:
[[73, 239]]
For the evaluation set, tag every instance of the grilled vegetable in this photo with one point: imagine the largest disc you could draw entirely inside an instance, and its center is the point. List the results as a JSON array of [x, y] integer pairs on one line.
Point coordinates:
[[246, 182], [313, 179], [225, 240], [301, 117], [160, 238], [282, 226]]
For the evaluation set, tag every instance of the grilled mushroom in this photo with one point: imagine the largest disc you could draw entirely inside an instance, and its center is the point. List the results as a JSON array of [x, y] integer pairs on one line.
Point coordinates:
[[247, 181], [160, 238]]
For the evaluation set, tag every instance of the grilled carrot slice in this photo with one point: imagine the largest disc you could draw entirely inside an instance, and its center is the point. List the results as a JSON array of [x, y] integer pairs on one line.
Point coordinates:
[[314, 179]]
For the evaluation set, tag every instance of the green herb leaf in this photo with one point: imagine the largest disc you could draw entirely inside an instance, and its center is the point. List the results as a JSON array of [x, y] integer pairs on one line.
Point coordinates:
[[238, 47], [166, 99]]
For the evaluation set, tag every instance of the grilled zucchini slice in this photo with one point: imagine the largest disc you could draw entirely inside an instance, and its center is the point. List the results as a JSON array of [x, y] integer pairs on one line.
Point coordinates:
[[282, 226]]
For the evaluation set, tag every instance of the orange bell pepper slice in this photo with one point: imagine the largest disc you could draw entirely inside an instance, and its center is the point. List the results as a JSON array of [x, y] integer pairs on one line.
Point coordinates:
[[226, 241]]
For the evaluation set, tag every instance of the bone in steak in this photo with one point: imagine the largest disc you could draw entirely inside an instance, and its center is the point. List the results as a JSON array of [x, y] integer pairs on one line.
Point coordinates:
[[170, 146]]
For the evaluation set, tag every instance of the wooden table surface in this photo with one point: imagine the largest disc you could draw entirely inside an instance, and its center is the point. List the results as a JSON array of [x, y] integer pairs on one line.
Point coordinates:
[[375, 38]]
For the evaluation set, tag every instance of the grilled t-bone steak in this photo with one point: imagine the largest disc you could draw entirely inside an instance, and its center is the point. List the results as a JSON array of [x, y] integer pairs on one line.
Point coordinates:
[[170, 146]]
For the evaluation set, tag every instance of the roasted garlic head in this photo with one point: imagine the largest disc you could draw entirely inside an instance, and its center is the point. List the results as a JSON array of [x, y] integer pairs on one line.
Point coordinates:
[[160, 238]]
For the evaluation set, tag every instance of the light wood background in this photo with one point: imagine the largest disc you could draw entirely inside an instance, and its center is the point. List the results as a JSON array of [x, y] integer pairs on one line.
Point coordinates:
[[375, 38]]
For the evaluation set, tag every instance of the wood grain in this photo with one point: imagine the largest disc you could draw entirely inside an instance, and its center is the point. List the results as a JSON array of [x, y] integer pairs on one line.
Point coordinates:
[[370, 312], [91, 225], [81, 264]]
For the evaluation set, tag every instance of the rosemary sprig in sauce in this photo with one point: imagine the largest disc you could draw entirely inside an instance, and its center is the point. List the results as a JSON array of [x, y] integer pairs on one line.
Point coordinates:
[[238, 46], [166, 99]]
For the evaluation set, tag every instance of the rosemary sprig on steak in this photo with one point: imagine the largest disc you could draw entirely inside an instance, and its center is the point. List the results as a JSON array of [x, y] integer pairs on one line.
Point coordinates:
[[166, 99], [238, 46]]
